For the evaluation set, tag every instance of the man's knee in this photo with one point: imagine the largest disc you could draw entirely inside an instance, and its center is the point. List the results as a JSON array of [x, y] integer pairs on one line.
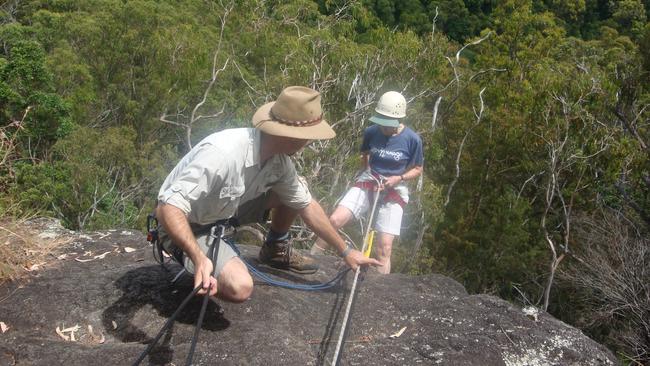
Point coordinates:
[[240, 290], [235, 283]]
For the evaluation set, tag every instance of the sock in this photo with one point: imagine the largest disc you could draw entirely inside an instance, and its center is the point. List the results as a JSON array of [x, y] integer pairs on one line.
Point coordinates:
[[273, 236]]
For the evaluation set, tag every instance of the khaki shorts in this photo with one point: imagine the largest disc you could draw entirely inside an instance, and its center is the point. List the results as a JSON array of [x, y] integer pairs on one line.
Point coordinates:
[[226, 252], [250, 212]]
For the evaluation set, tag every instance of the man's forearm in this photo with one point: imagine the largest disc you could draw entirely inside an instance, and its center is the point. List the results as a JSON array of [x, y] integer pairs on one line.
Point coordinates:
[[317, 220], [178, 228]]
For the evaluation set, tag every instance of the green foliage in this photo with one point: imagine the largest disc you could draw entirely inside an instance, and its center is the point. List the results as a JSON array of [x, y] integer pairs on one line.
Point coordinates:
[[455, 19], [32, 115], [630, 17], [26, 92], [99, 179]]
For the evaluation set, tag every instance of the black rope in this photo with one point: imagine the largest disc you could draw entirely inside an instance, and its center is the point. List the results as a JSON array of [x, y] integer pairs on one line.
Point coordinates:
[[213, 251]]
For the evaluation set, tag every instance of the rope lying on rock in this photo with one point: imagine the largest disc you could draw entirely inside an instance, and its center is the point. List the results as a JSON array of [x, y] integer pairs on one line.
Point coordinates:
[[293, 286]]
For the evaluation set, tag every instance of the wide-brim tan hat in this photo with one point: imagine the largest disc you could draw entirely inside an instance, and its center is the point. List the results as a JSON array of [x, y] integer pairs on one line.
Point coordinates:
[[297, 113]]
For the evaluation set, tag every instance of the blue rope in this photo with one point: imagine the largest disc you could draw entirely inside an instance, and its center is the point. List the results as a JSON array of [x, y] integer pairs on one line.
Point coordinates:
[[317, 287], [293, 286]]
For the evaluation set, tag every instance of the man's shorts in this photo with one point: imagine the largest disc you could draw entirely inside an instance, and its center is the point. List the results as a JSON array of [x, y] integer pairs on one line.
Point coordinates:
[[226, 252], [388, 218], [250, 212]]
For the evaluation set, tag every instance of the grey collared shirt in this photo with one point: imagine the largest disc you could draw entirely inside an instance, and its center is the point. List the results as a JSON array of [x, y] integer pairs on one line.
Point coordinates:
[[223, 171]]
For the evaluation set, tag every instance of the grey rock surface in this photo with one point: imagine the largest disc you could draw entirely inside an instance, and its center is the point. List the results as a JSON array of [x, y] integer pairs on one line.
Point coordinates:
[[126, 298]]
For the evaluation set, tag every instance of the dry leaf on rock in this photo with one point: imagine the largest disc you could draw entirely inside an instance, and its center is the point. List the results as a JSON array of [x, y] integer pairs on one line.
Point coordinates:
[[114, 324], [99, 256], [399, 333], [128, 249], [84, 260], [3, 327], [34, 267], [97, 339], [74, 328], [71, 330], [60, 333]]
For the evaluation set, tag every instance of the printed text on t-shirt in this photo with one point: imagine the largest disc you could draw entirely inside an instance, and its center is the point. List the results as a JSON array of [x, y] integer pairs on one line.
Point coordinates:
[[397, 155]]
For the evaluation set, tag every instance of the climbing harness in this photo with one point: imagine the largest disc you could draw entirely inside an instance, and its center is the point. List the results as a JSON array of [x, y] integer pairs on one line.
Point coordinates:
[[216, 233], [390, 194], [152, 237], [367, 246]]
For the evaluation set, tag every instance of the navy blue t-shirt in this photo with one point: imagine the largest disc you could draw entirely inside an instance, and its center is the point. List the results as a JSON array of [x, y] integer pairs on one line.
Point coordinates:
[[391, 155]]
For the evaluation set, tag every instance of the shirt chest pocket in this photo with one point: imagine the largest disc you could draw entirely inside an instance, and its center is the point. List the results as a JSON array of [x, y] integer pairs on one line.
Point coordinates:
[[231, 192], [227, 202]]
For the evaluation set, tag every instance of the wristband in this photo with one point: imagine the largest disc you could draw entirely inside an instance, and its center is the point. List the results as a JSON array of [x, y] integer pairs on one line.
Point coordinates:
[[346, 251]]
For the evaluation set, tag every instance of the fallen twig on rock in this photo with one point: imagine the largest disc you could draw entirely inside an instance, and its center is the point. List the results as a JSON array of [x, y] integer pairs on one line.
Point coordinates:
[[398, 333], [99, 256]]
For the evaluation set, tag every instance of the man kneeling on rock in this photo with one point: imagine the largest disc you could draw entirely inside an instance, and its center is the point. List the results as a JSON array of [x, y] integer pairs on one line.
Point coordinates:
[[243, 173]]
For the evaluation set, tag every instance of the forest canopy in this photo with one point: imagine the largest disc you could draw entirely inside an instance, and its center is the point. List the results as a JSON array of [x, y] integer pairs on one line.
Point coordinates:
[[534, 117]]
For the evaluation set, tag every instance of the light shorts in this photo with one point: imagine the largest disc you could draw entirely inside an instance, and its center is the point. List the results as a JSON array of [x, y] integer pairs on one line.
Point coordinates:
[[388, 218]]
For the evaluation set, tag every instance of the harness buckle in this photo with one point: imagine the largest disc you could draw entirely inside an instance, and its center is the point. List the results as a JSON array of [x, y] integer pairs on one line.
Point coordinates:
[[152, 228]]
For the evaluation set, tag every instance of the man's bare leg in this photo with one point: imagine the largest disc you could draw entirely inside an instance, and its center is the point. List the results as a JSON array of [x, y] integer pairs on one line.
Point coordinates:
[[276, 250], [282, 218]]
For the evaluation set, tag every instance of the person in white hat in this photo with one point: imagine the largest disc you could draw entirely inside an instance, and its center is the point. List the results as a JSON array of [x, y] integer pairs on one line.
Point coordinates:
[[242, 173], [391, 154]]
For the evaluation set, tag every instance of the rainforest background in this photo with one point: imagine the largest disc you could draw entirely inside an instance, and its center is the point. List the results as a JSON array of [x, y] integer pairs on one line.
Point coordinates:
[[534, 115]]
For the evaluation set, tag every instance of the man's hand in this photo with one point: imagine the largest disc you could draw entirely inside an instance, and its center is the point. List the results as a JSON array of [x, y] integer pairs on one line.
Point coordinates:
[[316, 219], [355, 259], [203, 277]]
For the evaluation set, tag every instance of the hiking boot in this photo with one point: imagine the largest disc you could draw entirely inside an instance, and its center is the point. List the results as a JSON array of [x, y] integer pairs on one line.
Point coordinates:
[[280, 254]]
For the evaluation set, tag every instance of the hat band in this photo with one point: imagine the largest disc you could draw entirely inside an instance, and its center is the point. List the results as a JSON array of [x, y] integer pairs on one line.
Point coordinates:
[[306, 123]]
